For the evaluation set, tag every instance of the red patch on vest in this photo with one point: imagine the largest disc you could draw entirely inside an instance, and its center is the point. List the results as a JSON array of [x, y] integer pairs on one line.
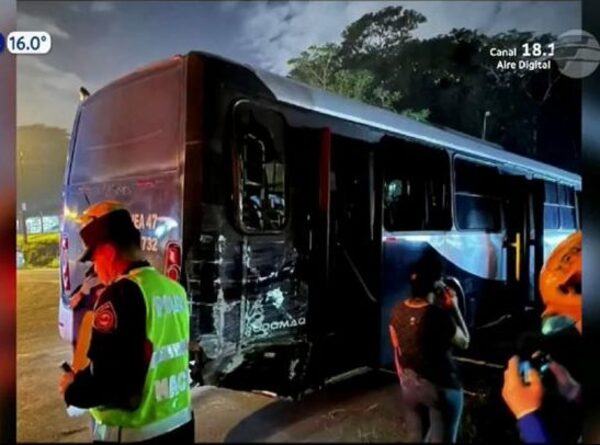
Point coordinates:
[[105, 318]]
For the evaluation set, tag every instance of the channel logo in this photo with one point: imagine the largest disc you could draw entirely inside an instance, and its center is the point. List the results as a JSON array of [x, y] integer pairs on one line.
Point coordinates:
[[577, 53]]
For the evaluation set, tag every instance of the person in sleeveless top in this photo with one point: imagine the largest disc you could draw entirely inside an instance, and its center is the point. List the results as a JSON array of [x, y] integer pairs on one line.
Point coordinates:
[[424, 328]]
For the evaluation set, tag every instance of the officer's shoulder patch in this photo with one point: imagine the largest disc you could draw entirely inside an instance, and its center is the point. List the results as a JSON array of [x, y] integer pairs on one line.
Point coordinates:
[[105, 318]]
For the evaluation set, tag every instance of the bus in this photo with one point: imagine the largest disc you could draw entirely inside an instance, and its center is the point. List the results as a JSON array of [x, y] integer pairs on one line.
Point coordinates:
[[292, 216]]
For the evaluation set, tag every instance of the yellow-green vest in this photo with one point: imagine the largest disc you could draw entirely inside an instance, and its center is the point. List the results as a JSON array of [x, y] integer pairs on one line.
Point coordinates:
[[166, 397]]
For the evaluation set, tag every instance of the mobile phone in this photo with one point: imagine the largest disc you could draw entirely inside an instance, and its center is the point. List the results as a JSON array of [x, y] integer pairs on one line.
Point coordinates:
[[540, 361], [524, 368], [66, 367]]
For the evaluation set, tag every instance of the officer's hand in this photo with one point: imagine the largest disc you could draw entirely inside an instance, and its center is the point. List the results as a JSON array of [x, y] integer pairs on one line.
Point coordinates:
[[75, 299], [90, 284], [567, 385], [521, 399], [65, 381]]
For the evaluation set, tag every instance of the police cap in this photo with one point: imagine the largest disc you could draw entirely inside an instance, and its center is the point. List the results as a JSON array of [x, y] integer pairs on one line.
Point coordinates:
[[106, 222]]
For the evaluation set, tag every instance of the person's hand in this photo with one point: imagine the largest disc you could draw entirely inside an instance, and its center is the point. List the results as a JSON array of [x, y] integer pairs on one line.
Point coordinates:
[[567, 386], [90, 282], [445, 297], [520, 398], [65, 381], [76, 299], [453, 299]]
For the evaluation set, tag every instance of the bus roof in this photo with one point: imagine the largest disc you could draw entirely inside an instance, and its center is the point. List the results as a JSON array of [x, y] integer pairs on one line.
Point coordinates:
[[295, 93]]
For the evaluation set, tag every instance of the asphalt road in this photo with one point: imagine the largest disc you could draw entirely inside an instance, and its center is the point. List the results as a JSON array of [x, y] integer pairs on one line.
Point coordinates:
[[362, 409]]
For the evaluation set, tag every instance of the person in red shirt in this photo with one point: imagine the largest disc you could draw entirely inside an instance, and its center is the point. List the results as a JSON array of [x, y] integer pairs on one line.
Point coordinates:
[[423, 329]]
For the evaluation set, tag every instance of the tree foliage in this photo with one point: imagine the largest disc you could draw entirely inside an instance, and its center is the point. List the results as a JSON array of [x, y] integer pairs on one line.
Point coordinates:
[[451, 80], [317, 65], [41, 156], [379, 34]]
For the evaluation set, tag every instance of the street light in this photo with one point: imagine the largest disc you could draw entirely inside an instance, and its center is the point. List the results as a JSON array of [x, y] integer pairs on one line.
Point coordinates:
[[487, 114]]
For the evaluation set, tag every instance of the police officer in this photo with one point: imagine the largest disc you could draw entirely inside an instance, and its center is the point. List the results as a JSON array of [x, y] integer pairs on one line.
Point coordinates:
[[137, 383]]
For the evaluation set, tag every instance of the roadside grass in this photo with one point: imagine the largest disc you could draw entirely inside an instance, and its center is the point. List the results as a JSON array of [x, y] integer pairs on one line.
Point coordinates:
[[41, 250]]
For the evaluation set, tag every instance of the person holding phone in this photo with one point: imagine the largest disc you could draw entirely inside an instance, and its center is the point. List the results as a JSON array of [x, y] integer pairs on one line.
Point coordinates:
[[423, 330], [546, 398], [524, 394]]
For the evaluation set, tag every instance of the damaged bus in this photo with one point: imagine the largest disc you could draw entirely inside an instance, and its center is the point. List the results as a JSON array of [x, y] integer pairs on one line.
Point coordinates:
[[292, 216]]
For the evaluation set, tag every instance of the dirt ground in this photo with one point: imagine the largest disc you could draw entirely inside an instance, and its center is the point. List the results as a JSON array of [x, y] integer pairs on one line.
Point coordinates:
[[363, 409], [41, 415]]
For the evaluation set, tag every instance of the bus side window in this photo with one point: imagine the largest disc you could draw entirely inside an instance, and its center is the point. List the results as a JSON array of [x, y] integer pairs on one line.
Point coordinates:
[[478, 200], [559, 207], [260, 175], [551, 208], [568, 218], [416, 189], [578, 205]]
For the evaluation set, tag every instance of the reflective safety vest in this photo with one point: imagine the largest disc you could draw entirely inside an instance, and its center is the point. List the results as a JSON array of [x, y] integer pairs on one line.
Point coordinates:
[[166, 398]]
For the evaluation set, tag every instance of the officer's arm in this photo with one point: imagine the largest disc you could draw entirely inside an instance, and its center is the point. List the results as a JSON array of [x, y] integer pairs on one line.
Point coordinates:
[[84, 392], [119, 353]]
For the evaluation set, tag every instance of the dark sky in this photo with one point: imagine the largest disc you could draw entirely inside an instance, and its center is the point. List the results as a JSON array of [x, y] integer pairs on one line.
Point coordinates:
[[95, 42]]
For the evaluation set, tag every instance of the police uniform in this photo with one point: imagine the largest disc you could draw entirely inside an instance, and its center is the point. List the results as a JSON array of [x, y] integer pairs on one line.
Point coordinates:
[[137, 383]]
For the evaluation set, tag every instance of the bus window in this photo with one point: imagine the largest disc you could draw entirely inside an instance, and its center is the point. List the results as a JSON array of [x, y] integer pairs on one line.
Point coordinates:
[[131, 129], [566, 200], [551, 193], [551, 217], [551, 209], [567, 218], [578, 205], [260, 173], [416, 189], [478, 202], [559, 207]]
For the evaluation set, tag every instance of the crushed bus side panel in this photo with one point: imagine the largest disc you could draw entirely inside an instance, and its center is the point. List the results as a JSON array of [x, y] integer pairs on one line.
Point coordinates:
[[248, 305]]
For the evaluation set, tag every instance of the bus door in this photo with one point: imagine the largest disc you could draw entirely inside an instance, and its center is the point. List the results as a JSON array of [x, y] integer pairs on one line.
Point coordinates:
[[536, 241], [265, 283], [519, 240], [309, 160], [352, 300]]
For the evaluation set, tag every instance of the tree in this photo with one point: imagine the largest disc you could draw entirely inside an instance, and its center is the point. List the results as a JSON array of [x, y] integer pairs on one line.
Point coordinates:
[[317, 65], [322, 67], [457, 78], [353, 68], [379, 34], [451, 80], [357, 84], [41, 156]]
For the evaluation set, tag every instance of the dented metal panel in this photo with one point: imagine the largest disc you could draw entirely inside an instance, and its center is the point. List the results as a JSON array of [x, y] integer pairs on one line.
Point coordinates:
[[245, 293]]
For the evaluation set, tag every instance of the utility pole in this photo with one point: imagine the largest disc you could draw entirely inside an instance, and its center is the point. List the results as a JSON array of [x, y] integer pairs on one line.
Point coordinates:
[[23, 222], [23, 204]]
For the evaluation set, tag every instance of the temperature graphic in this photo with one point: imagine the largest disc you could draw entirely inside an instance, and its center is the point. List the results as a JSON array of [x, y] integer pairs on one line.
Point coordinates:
[[29, 42]]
